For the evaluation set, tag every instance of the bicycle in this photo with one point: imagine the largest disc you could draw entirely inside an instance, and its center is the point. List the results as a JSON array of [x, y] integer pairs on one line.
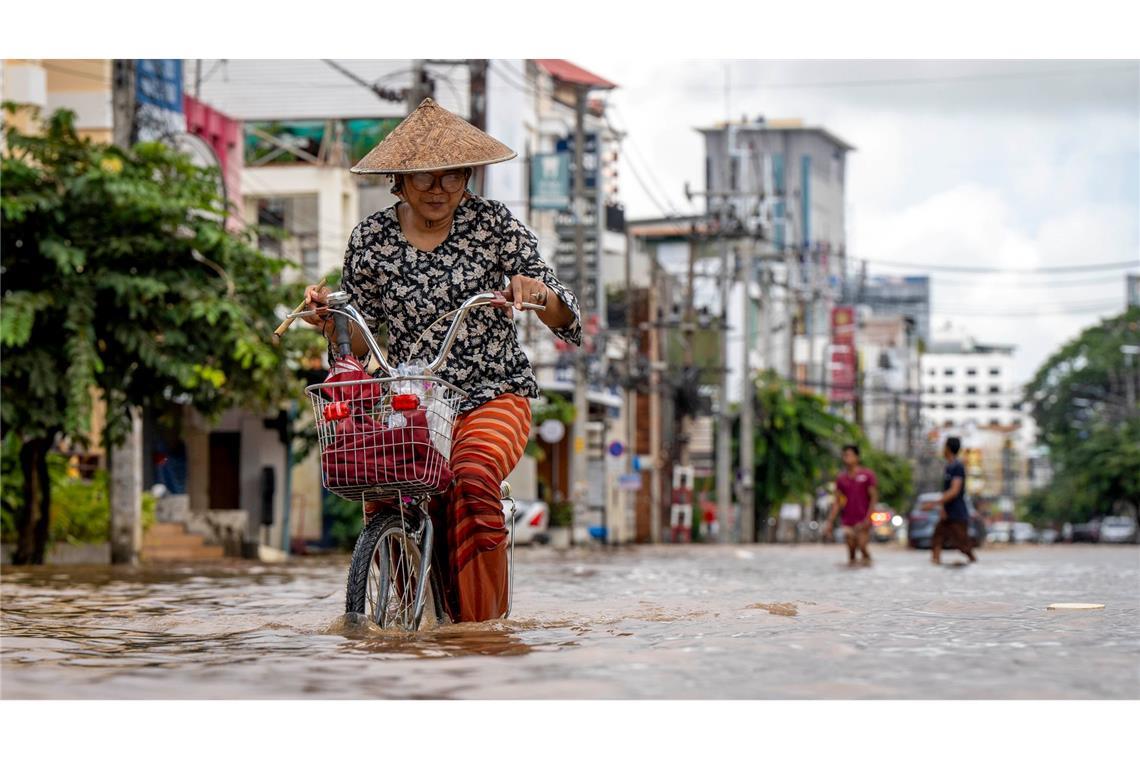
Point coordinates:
[[389, 438]]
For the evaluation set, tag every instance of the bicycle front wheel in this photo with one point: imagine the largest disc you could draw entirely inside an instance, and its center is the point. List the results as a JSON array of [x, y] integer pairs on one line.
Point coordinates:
[[385, 578]]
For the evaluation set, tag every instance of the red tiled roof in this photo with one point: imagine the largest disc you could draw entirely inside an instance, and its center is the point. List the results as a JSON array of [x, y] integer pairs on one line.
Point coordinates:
[[561, 69]]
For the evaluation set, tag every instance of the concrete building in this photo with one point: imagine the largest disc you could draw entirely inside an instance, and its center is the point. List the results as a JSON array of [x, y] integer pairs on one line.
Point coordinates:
[[966, 383], [889, 363], [549, 86], [80, 85], [886, 295], [785, 183]]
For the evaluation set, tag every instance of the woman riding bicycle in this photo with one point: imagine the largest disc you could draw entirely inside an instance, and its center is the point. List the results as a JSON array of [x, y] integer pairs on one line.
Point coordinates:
[[422, 257]]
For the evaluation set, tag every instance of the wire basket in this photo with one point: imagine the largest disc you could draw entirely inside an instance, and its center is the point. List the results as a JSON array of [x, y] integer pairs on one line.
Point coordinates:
[[386, 437]]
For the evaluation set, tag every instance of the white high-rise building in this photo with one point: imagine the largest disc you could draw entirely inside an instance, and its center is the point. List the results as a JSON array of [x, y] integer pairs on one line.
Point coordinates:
[[966, 383]]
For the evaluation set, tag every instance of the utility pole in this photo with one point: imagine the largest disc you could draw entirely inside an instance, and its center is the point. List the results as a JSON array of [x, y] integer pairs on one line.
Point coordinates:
[[421, 86], [477, 81], [655, 344], [581, 404], [630, 356], [126, 458], [724, 423], [747, 400]]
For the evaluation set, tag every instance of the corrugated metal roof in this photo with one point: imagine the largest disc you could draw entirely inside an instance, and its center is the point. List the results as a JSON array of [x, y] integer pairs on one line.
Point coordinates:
[[276, 89], [565, 71]]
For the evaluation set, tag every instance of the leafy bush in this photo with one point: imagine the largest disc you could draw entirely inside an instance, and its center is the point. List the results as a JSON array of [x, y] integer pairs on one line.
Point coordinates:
[[81, 511]]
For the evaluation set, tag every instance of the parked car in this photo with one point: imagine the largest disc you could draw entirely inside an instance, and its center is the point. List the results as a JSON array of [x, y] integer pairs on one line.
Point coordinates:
[[1048, 536], [883, 524], [1088, 533], [531, 519], [1000, 532], [1118, 530], [1024, 533], [924, 517]]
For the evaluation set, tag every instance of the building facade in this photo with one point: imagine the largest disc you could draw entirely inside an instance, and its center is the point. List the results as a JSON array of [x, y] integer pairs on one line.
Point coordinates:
[[782, 186], [965, 383]]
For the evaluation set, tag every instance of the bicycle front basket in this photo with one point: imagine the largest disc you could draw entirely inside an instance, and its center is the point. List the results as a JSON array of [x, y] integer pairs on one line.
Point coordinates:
[[376, 443]]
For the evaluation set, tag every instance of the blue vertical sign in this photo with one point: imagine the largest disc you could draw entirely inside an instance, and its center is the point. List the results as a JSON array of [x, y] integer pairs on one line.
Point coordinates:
[[158, 93]]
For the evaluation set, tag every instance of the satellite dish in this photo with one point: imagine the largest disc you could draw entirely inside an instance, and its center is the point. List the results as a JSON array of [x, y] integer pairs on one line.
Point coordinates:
[[203, 155]]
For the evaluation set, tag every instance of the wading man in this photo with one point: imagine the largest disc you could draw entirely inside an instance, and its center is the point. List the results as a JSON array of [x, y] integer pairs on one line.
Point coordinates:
[[954, 526], [856, 492]]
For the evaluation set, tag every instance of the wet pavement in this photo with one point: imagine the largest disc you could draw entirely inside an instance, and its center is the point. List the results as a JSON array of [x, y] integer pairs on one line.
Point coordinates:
[[636, 622]]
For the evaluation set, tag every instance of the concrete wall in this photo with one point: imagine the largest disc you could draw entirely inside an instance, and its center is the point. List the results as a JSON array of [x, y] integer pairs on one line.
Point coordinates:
[[260, 447], [337, 206]]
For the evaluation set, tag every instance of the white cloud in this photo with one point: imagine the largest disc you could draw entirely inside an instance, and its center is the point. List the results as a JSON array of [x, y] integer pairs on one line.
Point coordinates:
[[1001, 170]]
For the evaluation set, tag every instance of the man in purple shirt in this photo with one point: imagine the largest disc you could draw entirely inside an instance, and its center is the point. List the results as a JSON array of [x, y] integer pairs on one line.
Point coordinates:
[[856, 492]]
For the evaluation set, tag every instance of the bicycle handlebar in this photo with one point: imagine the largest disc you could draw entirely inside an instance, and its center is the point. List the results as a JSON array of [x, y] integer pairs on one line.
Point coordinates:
[[338, 304]]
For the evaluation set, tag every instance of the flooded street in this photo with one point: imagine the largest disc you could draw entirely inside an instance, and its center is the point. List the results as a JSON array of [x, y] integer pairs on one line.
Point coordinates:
[[644, 622]]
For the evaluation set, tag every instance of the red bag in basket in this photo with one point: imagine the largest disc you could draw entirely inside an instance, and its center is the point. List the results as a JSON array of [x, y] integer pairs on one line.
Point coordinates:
[[366, 452]]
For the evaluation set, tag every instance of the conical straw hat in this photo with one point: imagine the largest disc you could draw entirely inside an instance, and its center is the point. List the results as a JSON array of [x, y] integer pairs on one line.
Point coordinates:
[[431, 139]]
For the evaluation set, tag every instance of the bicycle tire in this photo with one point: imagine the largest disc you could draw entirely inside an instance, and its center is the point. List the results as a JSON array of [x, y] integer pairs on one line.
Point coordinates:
[[385, 535]]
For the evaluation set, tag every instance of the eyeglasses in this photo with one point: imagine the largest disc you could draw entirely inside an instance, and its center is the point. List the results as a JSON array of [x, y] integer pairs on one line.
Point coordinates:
[[450, 183]]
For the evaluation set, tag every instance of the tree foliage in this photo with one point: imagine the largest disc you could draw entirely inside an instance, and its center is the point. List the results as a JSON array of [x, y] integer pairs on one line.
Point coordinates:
[[797, 442], [894, 474], [120, 275], [1080, 402]]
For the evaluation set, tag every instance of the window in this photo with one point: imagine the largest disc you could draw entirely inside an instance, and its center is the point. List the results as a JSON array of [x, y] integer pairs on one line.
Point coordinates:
[[971, 405], [971, 371], [995, 389], [995, 421], [932, 389], [994, 371], [931, 372], [971, 390], [948, 423], [948, 389], [311, 262], [950, 406], [994, 405], [949, 372]]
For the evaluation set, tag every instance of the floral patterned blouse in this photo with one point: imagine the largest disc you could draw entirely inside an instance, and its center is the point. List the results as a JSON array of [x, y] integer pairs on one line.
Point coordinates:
[[392, 281]]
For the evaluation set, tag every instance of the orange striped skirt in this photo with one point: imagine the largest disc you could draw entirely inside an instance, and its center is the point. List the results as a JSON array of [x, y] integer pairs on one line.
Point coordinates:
[[470, 551]]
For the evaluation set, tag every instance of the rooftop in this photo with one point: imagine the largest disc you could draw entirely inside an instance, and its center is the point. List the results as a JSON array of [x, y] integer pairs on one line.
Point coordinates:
[[570, 73], [760, 124]]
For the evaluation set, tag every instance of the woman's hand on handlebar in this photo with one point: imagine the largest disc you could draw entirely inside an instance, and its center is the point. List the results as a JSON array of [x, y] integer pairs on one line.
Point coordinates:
[[316, 297], [520, 290]]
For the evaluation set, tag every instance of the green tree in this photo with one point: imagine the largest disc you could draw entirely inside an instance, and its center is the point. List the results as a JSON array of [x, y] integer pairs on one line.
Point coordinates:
[[1085, 415], [894, 474], [120, 275], [797, 443]]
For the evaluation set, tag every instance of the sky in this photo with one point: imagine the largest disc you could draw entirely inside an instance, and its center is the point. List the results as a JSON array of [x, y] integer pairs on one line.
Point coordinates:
[[1000, 164]]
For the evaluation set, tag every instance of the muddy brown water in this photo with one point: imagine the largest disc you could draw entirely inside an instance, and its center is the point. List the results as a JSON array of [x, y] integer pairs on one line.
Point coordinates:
[[636, 622]]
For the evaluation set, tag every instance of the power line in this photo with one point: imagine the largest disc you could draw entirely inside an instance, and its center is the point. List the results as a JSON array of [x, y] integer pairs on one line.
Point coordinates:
[[920, 80], [999, 270], [1080, 282]]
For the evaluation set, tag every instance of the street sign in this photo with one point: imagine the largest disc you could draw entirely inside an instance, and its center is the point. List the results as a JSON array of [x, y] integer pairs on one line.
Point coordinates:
[[550, 181], [551, 431], [629, 482], [616, 449]]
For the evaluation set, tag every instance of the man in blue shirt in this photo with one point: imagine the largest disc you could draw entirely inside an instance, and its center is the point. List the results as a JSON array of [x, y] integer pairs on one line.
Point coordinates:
[[955, 523]]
